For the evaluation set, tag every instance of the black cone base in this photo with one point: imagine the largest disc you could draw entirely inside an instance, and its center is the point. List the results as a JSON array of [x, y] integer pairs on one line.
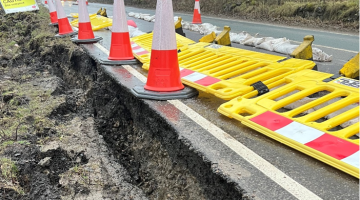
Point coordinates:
[[106, 61], [69, 34], [141, 92], [87, 41]]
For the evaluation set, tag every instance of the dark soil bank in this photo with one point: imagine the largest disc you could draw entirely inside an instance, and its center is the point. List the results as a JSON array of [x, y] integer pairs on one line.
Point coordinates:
[[96, 140]]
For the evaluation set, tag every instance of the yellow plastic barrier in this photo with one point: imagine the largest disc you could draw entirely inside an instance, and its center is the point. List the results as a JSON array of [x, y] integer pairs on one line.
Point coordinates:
[[208, 38], [224, 37], [76, 15], [229, 72], [97, 22], [351, 68], [305, 127], [142, 47], [304, 50]]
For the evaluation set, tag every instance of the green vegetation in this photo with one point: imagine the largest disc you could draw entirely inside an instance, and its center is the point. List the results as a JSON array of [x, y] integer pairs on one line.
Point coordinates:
[[8, 175], [335, 13]]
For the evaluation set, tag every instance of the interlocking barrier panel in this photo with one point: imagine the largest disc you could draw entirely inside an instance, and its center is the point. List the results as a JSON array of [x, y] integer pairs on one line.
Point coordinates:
[[309, 114], [229, 72], [142, 46], [97, 22]]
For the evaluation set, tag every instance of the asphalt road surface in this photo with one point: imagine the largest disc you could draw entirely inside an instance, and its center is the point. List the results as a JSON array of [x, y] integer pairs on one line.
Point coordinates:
[[315, 176]]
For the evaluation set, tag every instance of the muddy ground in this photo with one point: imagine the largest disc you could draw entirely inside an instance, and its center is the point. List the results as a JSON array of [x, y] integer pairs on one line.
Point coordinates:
[[69, 132]]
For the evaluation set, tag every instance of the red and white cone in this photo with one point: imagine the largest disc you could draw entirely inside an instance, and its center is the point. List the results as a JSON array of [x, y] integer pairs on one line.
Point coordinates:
[[163, 81], [120, 48], [197, 15], [85, 32], [65, 28], [53, 13]]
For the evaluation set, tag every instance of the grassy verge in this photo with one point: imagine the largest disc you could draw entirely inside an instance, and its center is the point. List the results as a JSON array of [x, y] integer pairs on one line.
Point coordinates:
[[332, 14]]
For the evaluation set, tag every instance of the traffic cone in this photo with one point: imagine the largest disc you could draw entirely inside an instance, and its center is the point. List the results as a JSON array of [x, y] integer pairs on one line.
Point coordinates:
[[85, 32], [64, 26], [53, 13], [120, 49], [197, 15], [163, 82]]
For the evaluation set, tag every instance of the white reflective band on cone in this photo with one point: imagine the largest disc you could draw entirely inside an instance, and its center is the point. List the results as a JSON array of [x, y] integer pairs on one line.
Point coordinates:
[[119, 18], [60, 9], [83, 12], [52, 7], [197, 6], [164, 37]]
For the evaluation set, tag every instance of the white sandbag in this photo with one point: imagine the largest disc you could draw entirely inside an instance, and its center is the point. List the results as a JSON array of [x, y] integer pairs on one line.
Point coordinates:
[[240, 37], [206, 28], [194, 27], [319, 55], [142, 16], [137, 15], [270, 43], [133, 32], [131, 14], [285, 47], [252, 41], [264, 39], [149, 18], [186, 25]]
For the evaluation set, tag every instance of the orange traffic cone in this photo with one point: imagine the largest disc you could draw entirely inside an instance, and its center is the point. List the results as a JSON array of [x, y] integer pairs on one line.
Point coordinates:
[[53, 13], [163, 80], [85, 32], [120, 49], [197, 15], [64, 26]]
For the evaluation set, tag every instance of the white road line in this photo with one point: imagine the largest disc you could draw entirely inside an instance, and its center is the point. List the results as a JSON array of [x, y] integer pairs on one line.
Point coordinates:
[[290, 185], [316, 45]]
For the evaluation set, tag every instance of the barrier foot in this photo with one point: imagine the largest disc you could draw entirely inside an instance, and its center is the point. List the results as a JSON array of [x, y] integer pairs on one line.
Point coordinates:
[[86, 41], [64, 35], [141, 92]]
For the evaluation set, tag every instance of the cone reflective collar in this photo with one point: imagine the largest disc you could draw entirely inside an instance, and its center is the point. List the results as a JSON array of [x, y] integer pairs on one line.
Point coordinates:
[[85, 33], [197, 15], [64, 26], [53, 13], [120, 49], [163, 80]]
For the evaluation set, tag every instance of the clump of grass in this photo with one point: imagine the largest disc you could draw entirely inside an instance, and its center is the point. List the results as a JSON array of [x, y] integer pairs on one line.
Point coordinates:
[[9, 175]]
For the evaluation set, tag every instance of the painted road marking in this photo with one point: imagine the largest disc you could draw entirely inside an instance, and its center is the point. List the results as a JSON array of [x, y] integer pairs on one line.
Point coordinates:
[[317, 45], [290, 185]]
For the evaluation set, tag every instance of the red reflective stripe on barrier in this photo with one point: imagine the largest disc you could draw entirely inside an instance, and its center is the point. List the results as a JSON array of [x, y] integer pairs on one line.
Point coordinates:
[[138, 50], [197, 77], [207, 81], [333, 146], [271, 120], [185, 72], [323, 142], [136, 47]]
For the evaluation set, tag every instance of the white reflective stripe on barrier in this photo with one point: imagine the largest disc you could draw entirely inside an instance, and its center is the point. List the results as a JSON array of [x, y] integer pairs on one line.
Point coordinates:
[[164, 31], [119, 18]]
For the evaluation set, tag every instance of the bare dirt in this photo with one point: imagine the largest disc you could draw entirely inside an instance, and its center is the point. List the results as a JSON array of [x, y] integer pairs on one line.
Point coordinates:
[[50, 148]]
